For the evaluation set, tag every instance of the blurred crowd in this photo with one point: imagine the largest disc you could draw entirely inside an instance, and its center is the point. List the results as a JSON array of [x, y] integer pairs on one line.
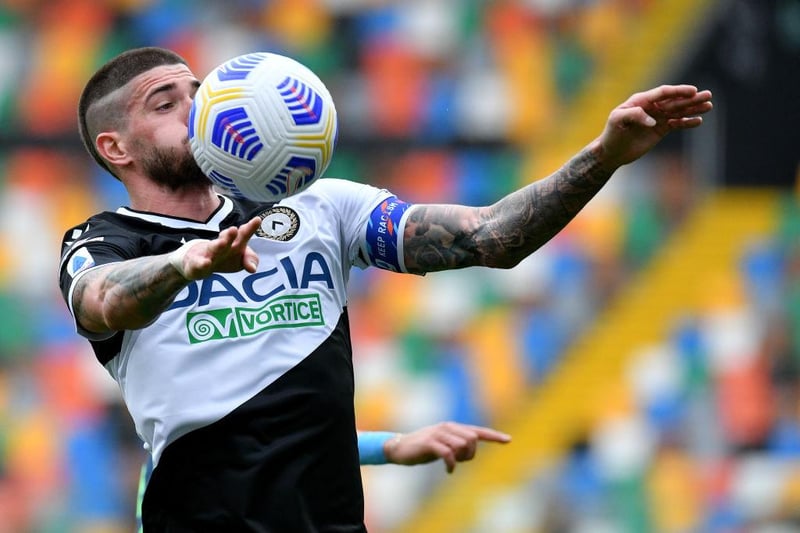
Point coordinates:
[[701, 432], [438, 100]]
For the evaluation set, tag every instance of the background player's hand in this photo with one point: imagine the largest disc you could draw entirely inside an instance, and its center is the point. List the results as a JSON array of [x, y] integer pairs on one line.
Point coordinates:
[[637, 125], [449, 441], [229, 252]]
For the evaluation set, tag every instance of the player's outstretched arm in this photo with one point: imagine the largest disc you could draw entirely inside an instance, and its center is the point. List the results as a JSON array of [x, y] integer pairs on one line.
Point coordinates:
[[131, 294], [442, 237], [450, 441]]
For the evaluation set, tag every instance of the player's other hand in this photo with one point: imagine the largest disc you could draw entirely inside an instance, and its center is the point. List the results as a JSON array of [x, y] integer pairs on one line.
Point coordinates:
[[450, 441], [639, 123]]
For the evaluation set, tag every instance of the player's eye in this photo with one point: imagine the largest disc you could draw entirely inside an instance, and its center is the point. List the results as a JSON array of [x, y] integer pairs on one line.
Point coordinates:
[[164, 106]]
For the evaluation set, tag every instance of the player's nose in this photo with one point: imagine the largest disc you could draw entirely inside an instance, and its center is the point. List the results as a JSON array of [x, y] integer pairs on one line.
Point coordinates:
[[186, 106]]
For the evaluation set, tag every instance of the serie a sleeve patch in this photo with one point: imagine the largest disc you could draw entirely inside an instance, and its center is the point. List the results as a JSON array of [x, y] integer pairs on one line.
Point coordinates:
[[79, 261], [385, 235]]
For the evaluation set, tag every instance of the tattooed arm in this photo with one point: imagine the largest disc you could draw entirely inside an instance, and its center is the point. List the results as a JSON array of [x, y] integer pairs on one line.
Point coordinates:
[[126, 295], [445, 237], [131, 294], [441, 237]]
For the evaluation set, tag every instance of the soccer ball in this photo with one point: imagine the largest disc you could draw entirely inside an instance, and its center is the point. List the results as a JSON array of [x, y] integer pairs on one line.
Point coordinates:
[[262, 127]]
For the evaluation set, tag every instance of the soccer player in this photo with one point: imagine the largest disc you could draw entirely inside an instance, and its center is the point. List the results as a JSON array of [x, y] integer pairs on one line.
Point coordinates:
[[253, 429]]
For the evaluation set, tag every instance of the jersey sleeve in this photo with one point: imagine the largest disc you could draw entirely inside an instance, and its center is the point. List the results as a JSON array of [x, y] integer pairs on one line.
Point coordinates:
[[370, 447], [373, 220], [83, 248]]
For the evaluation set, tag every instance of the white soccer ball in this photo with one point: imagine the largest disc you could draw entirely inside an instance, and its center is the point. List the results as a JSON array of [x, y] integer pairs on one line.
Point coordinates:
[[262, 126]]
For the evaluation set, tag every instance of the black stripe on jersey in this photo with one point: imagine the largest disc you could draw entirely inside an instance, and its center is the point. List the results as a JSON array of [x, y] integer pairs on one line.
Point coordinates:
[[108, 349], [285, 461]]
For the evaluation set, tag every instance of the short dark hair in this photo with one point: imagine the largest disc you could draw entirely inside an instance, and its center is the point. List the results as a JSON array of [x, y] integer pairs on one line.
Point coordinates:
[[116, 73]]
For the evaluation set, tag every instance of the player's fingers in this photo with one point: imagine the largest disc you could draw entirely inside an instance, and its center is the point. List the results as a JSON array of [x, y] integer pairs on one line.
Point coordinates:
[[449, 459], [699, 97], [223, 241], [250, 260], [667, 92], [475, 433], [464, 440], [694, 110], [458, 440], [440, 450], [685, 123], [700, 103], [246, 231], [467, 451], [489, 434], [252, 226], [463, 448]]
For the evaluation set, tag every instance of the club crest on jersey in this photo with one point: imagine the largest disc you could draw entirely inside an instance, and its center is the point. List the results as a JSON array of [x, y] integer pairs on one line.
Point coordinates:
[[278, 223]]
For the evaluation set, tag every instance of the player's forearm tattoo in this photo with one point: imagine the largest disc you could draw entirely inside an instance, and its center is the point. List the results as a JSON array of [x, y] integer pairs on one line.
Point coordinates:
[[133, 293], [446, 237]]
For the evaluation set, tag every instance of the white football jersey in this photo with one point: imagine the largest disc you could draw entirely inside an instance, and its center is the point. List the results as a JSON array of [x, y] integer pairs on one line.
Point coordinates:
[[243, 389]]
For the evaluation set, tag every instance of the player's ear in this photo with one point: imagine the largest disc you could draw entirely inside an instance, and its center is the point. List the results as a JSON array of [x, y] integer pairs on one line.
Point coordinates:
[[110, 148]]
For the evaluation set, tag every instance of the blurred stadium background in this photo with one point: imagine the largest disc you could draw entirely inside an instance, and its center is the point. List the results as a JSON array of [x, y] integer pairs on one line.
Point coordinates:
[[645, 361]]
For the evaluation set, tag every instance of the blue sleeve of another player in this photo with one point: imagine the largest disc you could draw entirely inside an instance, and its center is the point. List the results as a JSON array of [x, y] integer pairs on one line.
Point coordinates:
[[370, 447], [385, 235]]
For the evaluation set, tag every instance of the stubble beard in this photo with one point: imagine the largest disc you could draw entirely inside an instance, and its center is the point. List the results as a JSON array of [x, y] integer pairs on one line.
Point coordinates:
[[174, 169]]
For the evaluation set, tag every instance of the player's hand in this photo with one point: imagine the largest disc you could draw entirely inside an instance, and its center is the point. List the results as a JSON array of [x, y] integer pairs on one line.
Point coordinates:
[[450, 441], [638, 124], [229, 252]]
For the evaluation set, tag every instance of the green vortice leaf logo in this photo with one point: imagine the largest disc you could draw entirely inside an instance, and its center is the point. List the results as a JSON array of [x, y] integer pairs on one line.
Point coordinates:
[[291, 311]]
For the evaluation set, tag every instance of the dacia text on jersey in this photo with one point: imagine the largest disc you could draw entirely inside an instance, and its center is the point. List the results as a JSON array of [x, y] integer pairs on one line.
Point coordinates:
[[265, 287]]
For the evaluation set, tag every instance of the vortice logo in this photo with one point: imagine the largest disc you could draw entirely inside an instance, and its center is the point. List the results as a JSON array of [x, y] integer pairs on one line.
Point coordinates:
[[291, 311]]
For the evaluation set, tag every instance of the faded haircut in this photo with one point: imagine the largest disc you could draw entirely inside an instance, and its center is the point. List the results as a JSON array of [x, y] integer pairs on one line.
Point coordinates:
[[116, 73]]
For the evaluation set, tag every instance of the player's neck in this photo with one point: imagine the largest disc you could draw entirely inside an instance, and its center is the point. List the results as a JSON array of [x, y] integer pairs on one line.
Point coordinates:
[[192, 203]]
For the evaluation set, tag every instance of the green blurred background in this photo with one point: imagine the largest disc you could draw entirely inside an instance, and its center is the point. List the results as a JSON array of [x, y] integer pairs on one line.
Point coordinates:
[[645, 360]]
